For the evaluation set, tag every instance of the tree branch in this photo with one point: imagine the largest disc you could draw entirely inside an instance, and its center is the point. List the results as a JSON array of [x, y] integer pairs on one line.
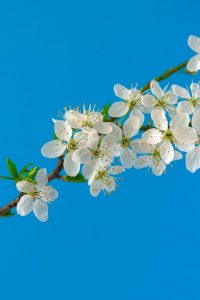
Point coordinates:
[[55, 174]]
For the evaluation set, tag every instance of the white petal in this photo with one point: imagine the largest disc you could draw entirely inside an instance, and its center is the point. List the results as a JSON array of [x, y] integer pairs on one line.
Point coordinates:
[[185, 135], [110, 185], [82, 155], [194, 63], [71, 167], [137, 112], [148, 100], [53, 149], [184, 147], [93, 139], [89, 169], [180, 91], [156, 89], [47, 193], [171, 98], [194, 43], [25, 186], [158, 169], [63, 131], [159, 119], [41, 177], [127, 158], [196, 120], [180, 120], [41, 210], [152, 136], [142, 162], [177, 155], [166, 152], [195, 89], [96, 187], [103, 127], [116, 170], [185, 107], [142, 147], [122, 92], [118, 109], [75, 118], [131, 126], [116, 133], [193, 159], [25, 205]]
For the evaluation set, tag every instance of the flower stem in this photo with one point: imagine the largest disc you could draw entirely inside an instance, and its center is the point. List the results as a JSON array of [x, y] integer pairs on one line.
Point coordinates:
[[166, 75]]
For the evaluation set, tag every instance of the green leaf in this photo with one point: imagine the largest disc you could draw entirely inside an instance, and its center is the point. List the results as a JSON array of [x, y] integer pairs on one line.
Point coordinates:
[[12, 168], [105, 111], [25, 169], [32, 173], [77, 178], [6, 177]]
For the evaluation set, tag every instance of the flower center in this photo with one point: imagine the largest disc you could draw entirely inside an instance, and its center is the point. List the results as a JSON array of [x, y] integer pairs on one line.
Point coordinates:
[[72, 145], [125, 142], [87, 124], [96, 152], [34, 194], [101, 175], [168, 136], [156, 157], [194, 101], [161, 102]]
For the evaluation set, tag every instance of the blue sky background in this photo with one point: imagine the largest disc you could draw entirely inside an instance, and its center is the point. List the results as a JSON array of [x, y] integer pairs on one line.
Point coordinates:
[[140, 243]]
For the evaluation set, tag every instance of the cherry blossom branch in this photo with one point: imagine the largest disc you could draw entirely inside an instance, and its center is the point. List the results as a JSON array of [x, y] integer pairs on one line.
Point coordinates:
[[55, 174]]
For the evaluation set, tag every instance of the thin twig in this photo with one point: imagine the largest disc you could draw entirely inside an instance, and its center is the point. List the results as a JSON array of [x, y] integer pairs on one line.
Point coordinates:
[[166, 75]]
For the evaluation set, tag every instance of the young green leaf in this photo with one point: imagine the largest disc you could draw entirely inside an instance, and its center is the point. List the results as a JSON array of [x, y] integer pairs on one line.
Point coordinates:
[[12, 168], [32, 173], [105, 111], [77, 178]]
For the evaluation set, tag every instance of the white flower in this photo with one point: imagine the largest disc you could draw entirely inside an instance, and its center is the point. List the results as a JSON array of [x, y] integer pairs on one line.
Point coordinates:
[[124, 142], [193, 98], [193, 155], [36, 196], [101, 180], [160, 98], [67, 144], [178, 133], [156, 157], [194, 62], [101, 151], [86, 120], [132, 101]]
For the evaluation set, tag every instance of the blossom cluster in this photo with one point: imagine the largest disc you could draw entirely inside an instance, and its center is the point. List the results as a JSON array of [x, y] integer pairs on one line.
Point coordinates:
[[141, 130]]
